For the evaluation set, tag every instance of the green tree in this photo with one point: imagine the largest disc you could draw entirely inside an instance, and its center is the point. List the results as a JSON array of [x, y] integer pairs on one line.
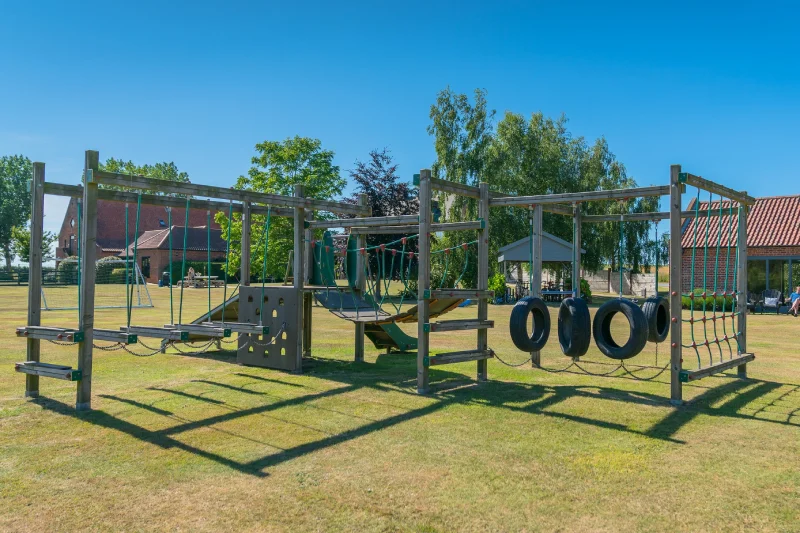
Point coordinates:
[[277, 167], [16, 172], [160, 171], [21, 244]]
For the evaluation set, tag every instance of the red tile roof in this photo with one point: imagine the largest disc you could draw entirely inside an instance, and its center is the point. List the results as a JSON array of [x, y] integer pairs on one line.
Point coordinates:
[[196, 240], [772, 221]]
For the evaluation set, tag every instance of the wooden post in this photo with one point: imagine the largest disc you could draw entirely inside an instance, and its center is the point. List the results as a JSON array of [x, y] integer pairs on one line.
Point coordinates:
[[675, 284], [423, 279], [536, 274], [246, 233], [483, 277], [299, 248], [88, 259], [576, 250], [361, 285], [307, 296], [741, 282], [35, 274]]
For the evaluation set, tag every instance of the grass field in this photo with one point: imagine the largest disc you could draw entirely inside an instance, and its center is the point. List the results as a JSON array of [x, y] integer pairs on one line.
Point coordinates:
[[199, 443]]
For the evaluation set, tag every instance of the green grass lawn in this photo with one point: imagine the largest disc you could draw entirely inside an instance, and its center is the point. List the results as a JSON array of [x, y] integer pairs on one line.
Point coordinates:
[[199, 443]]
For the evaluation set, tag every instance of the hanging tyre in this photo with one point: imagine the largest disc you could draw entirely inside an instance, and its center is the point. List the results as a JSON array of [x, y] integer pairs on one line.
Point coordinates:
[[601, 328], [574, 327], [518, 325], [656, 314]]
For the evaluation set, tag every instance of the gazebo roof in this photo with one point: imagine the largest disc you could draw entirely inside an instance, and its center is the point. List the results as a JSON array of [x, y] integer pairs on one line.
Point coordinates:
[[554, 250]]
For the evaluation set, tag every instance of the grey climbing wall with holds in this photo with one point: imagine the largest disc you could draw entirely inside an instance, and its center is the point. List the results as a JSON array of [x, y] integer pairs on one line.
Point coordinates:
[[277, 349]]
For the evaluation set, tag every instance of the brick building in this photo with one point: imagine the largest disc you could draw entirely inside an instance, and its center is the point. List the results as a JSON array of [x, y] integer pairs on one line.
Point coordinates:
[[773, 246], [152, 249], [111, 229]]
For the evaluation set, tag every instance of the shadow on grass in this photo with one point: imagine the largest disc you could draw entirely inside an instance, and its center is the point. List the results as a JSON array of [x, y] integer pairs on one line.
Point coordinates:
[[390, 374]]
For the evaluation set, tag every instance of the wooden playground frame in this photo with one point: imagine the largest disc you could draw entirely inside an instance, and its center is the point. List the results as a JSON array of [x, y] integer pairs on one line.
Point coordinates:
[[301, 210]]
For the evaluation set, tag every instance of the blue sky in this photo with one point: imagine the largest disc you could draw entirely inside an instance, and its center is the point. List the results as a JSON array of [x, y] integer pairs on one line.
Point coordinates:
[[715, 88]]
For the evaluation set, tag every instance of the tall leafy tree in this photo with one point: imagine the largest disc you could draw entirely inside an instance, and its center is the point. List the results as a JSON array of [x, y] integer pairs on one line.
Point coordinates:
[[16, 172], [277, 167], [377, 178], [166, 171], [21, 244]]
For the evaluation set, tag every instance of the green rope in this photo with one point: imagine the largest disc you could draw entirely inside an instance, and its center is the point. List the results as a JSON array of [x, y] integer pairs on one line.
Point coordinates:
[[127, 273], [135, 250], [658, 246], [705, 281], [171, 309], [727, 270], [735, 288], [227, 254], [716, 275], [691, 294], [463, 270], [621, 240], [264, 266], [446, 265], [530, 254], [183, 261]]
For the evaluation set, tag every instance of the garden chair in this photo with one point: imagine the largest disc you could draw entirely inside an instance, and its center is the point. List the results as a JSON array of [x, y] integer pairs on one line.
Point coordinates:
[[771, 299]]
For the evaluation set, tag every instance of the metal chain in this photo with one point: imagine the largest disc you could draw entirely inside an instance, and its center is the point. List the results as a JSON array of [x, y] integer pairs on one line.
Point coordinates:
[[198, 352], [512, 365], [125, 347], [109, 347], [61, 343]]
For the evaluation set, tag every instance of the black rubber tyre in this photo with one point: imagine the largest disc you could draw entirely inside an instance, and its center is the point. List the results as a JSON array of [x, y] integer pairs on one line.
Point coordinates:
[[656, 313], [574, 327], [518, 325], [601, 328]]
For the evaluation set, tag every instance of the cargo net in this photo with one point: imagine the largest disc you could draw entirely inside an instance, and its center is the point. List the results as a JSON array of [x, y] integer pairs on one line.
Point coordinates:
[[115, 280], [714, 316]]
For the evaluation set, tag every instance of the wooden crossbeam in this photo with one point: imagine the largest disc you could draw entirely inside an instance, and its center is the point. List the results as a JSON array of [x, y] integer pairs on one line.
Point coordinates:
[[433, 294], [110, 335], [242, 327], [365, 222], [658, 215], [458, 325], [414, 228], [459, 357], [693, 375], [193, 189], [707, 185], [76, 191], [612, 194]]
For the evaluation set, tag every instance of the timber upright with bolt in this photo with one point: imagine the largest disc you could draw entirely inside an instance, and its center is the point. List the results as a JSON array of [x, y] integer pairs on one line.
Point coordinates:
[[423, 280], [675, 252]]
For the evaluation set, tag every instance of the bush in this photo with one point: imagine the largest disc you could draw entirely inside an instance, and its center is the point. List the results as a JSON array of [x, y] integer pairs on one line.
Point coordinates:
[[497, 283], [707, 303], [586, 291]]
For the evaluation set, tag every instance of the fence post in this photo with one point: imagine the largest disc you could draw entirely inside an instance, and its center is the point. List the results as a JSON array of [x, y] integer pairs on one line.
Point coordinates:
[[742, 287], [483, 277], [361, 285], [246, 233], [298, 267]]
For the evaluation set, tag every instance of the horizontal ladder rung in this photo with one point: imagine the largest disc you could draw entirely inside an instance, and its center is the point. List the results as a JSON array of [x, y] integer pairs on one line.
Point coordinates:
[[50, 333], [157, 333], [693, 375], [433, 294], [459, 357], [48, 371], [205, 329], [458, 325]]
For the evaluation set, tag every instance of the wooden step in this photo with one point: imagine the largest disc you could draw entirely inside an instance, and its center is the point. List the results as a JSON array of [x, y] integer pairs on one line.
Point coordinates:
[[433, 294], [153, 332], [459, 357], [50, 333], [48, 371], [204, 329], [693, 375], [111, 335], [242, 327], [458, 325]]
